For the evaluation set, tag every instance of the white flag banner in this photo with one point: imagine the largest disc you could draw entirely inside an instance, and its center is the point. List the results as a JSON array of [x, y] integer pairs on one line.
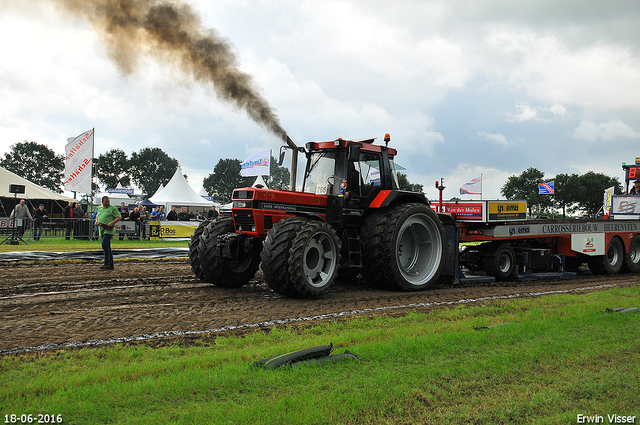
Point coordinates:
[[472, 187], [78, 163], [257, 164], [606, 204]]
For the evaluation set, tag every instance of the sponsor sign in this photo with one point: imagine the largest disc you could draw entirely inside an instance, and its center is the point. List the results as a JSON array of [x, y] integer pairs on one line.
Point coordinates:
[[625, 205], [120, 190], [172, 229], [589, 244], [507, 210], [464, 211]]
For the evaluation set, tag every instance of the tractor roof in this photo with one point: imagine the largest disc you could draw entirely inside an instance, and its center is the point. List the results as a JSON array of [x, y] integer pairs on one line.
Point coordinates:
[[365, 145]]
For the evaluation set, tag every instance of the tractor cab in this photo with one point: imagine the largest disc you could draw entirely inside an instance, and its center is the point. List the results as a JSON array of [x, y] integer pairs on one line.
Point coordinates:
[[355, 170]]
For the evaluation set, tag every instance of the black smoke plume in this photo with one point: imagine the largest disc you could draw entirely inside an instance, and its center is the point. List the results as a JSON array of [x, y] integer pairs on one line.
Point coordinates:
[[171, 30]]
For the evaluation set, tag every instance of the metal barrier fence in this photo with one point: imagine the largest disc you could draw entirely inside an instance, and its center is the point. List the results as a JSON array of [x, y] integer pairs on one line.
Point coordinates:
[[77, 228]]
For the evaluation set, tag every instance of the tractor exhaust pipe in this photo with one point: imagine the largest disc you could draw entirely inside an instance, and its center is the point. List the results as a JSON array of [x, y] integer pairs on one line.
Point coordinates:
[[294, 162]]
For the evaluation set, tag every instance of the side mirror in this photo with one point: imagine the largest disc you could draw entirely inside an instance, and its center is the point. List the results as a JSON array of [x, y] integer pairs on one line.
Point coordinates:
[[282, 153], [354, 153]]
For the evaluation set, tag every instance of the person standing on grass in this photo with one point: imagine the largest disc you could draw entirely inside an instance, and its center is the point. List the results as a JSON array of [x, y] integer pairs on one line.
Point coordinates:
[[108, 215], [40, 215]]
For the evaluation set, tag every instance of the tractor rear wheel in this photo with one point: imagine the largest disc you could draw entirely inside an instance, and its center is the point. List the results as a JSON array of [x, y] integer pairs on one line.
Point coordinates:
[[314, 259], [193, 249], [611, 262], [224, 272], [403, 248], [275, 254]]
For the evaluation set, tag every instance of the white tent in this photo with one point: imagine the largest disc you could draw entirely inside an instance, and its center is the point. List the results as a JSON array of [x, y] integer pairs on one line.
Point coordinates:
[[260, 182], [178, 193], [32, 190]]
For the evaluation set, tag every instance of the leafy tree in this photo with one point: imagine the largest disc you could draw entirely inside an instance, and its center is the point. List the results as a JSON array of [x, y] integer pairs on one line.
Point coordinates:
[[36, 163], [525, 186], [112, 168], [151, 167], [405, 184], [592, 187], [280, 176], [567, 192], [225, 177]]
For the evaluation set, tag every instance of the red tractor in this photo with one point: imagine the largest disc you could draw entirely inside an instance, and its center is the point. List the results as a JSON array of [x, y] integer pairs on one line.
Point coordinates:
[[350, 217]]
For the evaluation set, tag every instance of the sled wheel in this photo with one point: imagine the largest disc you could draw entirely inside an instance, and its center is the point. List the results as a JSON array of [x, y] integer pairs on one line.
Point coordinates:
[[275, 254], [501, 264], [314, 259], [403, 248], [193, 249], [224, 272], [611, 263]]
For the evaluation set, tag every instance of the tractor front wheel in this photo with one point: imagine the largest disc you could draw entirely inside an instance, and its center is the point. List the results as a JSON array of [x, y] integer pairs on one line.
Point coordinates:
[[314, 259], [224, 272]]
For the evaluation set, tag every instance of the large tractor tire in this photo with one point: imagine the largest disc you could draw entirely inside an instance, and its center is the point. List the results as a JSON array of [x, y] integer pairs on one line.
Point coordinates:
[[193, 249], [611, 262], [500, 263], [314, 259], [275, 254], [224, 272], [403, 248], [632, 257]]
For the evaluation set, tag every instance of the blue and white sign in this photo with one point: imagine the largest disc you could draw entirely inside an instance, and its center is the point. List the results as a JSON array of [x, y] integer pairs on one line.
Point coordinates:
[[257, 164]]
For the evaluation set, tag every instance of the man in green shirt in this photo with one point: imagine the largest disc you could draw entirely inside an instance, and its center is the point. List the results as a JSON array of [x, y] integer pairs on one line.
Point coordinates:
[[108, 215]]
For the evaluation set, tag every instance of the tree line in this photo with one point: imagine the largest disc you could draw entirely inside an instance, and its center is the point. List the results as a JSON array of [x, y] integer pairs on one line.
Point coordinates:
[[151, 167], [573, 194]]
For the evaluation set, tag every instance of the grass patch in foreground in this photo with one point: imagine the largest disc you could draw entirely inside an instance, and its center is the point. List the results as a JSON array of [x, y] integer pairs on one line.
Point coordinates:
[[561, 356], [63, 245]]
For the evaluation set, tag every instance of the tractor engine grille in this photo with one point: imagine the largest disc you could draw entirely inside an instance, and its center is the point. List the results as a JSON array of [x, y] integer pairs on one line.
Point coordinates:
[[244, 221]]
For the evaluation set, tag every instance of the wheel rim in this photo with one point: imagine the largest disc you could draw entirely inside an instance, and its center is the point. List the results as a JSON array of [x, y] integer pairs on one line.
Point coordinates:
[[239, 265], [613, 255], [505, 263], [419, 249], [320, 259], [634, 253]]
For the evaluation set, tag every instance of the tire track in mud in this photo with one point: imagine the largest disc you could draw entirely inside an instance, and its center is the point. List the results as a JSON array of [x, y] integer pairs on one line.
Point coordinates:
[[146, 302]]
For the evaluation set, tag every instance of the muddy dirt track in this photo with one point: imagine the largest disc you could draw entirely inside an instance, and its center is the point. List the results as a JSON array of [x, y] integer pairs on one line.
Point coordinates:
[[52, 305]]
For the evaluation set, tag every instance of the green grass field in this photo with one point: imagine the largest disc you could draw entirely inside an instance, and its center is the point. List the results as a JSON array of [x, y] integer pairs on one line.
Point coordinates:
[[555, 358], [59, 244]]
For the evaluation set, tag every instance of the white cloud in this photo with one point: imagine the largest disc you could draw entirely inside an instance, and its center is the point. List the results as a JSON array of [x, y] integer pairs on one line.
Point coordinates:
[[611, 130], [497, 139]]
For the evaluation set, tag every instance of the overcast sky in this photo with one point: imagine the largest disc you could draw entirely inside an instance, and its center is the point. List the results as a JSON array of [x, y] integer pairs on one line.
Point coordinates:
[[463, 87]]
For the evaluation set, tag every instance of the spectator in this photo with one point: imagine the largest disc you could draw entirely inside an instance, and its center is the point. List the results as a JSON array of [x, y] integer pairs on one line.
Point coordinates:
[[68, 215], [106, 217], [172, 215], [183, 216], [124, 213], [161, 214], [40, 215], [200, 216], [212, 214], [77, 225], [143, 216], [635, 190], [134, 216], [21, 211]]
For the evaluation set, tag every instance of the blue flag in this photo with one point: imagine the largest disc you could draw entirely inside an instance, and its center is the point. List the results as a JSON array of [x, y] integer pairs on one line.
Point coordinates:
[[546, 188]]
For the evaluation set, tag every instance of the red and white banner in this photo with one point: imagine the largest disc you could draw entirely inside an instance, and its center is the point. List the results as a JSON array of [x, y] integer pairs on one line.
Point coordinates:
[[78, 163], [472, 187]]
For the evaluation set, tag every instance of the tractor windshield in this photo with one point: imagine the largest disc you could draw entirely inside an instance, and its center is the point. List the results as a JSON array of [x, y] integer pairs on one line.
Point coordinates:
[[325, 172]]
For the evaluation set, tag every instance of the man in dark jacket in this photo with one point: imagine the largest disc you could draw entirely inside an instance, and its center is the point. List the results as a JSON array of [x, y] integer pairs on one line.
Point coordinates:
[[39, 216], [213, 214], [173, 215], [183, 216], [68, 215]]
